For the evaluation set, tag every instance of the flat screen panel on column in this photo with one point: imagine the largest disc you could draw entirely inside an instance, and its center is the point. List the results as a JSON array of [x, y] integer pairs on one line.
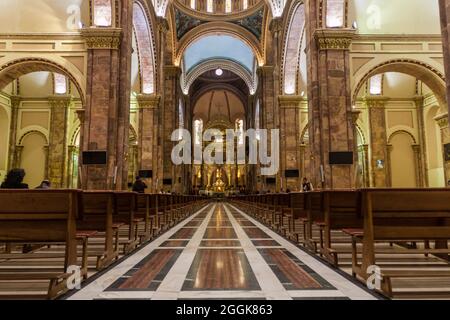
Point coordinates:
[[94, 157], [340, 158], [291, 173], [146, 173]]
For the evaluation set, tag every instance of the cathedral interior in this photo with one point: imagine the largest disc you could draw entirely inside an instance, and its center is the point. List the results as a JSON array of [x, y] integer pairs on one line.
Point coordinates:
[[93, 91]]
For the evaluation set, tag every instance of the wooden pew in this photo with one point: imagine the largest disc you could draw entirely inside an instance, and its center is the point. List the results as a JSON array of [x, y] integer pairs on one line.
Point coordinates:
[[41, 217], [342, 210], [402, 215], [298, 212]]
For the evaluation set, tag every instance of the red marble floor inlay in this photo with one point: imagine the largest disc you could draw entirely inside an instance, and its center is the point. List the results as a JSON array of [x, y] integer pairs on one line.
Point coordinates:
[[255, 233], [184, 233], [220, 233]]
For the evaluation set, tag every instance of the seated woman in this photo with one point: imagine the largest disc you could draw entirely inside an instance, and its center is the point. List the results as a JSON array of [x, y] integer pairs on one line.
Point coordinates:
[[14, 180]]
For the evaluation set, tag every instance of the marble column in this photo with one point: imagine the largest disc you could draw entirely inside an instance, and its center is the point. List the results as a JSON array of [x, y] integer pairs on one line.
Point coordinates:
[[58, 151], [148, 136], [418, 100], [418, 165], [442, 121], [378, 140], [290, 135], [329, 94], [106, 118], [15, 104]]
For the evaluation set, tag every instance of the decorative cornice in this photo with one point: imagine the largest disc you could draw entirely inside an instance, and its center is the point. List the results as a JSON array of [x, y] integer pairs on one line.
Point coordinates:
[[291, 101], [171, 70], [354, 115], [148, 101], [163, 24], [276, 25], [15, 101], [266, 70], [442, 120], [375, 101], [102, 38], [57, 101], [334, 39]]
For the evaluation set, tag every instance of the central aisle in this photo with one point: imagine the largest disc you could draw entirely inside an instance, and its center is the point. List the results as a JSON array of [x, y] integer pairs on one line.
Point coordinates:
[[221, 253]]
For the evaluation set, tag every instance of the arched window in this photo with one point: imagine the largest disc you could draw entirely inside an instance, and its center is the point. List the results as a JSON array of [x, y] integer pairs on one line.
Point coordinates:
[[60, 83], [245, 4], [193, 4], [209, 6], [240, 130], [102, 13], [228, 6], [257, 119], [376, 85], [198, 131], [335, 13]]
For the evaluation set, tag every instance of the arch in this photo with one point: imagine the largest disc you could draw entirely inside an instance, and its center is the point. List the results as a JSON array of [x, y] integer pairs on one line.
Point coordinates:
[[293, 38], [75, 134], [145, 44], [422, 71], [413, 139], [102, 13], [34, 131], [402, 160], [361, 133], [19, 67], [220, 28], [223, 64], [276, 6]]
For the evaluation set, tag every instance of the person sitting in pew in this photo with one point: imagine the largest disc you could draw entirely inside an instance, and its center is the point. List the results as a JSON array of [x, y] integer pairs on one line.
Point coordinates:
[[14, 180], [45, 184], [307, 185], [139, 186]]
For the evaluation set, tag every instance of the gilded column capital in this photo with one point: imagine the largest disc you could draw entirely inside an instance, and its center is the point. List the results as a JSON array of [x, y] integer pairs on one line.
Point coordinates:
[[375, 101], [334, 39], [354, 115], [163, 24], [102, 38], [276, 25], [172, 70], [266, 70], [80, 113], [15, 101], [290, 101], [148, 101], [442, 120], [60, 101]]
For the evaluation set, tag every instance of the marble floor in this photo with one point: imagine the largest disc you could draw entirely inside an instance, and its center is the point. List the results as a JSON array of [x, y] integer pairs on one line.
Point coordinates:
[[221, 253]]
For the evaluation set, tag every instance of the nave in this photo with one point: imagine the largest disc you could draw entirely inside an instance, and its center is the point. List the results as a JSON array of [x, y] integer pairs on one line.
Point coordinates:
[[221, 253]]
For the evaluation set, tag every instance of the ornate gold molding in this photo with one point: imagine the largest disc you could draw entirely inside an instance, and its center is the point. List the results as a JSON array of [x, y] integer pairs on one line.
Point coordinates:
[[442, 120], [334, 39], [148, 101], [291, 101], [57, 101], [375, 101], [102, 38]]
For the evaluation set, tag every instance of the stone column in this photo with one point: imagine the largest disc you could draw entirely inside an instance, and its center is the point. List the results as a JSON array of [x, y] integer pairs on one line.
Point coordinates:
[[58, 149], [418, 100], [46, 153], [388, 165], [442, 121], [17, 159], [290, 136], [418, 165], [148, 136], [378, 140], [444, 9], [329, 94], [106, 119], [15, 104], [70, 172]]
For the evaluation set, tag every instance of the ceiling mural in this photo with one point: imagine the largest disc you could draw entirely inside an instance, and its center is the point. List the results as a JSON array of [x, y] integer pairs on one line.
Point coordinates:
[[185, 22]]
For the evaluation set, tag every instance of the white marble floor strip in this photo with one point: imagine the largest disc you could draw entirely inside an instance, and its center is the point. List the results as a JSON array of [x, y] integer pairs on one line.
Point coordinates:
[[270, 285], [171, 286], [94, 289], [348, 288]]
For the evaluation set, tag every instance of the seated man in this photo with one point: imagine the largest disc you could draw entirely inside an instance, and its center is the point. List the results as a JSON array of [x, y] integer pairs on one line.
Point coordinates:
[[139, 186], [14, 180]]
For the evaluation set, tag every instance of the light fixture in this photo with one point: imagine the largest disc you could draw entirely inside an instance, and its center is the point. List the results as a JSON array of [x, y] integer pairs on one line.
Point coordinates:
[[219, 72]]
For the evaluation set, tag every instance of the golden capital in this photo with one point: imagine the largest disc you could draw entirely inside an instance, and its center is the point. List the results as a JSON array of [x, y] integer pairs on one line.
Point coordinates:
[[172, 70], [442, 120], [334, 39], [15, 101], [375, 101], [102, 38], [354, 115], [148, 101], [290, 101], [60, 101], [276, 25], [163, 24]]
